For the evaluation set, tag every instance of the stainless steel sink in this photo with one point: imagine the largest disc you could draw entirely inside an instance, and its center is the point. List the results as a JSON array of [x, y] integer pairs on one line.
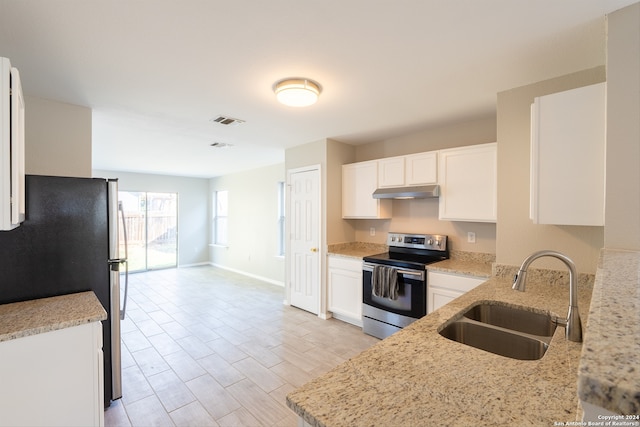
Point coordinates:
[[495, 340], [513, 318], [504, 330]]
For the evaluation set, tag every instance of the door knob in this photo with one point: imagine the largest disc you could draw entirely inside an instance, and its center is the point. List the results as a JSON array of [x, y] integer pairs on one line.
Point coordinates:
[[314, 249]]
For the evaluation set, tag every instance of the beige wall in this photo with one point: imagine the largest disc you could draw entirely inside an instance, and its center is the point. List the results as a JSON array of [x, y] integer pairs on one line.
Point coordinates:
[[57, 138], [421, 216], [338, 230], [517, 236], [253, 223], [455, 135], [622, 211]]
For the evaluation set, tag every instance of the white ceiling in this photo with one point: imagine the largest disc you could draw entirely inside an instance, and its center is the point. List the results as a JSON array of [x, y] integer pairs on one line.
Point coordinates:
[[155, 72]]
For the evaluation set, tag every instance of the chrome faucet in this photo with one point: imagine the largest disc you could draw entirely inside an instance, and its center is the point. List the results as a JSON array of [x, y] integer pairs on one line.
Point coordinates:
[[573, 327]]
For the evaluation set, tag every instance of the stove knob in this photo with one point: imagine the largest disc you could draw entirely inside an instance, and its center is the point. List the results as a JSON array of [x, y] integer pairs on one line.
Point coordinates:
[[430, 242], [438, 243]]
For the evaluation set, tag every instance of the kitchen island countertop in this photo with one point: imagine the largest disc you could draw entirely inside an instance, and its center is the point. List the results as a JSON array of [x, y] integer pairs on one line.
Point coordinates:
[[609, 376], [417, 377], [22, 319]]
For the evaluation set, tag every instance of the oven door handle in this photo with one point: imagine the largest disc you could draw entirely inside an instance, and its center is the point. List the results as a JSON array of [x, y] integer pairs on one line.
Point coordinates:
[[416, 273]]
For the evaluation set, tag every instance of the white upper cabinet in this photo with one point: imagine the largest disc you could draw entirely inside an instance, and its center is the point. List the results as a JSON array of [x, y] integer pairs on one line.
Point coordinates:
[[12, 181], [468, 178], [568, 157], [359, 181], [391, 172], [411, 170], [421, 168]]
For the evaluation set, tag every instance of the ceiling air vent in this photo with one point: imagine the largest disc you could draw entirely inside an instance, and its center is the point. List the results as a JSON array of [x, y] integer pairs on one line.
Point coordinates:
[[227, 121], [221, 145]]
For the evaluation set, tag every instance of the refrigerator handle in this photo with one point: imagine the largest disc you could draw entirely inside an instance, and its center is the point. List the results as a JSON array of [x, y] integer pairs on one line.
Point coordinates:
[[124, 260]]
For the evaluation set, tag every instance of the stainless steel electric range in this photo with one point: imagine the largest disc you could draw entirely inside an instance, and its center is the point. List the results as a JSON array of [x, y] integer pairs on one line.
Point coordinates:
[[403, 269]]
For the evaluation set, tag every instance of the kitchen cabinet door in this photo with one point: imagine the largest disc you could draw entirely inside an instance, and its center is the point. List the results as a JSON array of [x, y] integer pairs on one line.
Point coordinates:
[[345, 289], [359, 181], [391, 172], [411, 170], [53, 378], [567, 182], [443, 288], [421, 168], [468, 178]]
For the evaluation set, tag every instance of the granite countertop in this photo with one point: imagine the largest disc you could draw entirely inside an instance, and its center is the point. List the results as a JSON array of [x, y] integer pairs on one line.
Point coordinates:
[[609, 374], [467, 268], [417, 377], [22, 319], [466, 263], [356, 249]]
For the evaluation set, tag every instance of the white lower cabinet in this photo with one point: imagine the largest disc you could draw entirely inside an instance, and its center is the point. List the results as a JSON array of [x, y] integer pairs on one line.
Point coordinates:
[[344, 280], [443, 288], [53, 378]]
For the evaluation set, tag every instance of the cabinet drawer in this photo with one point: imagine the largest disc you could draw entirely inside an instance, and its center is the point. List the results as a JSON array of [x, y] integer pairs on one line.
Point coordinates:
[[345, 263], [454, 282]]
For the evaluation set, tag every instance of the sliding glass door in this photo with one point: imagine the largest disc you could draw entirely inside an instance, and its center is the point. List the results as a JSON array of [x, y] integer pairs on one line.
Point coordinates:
[[152, 229]]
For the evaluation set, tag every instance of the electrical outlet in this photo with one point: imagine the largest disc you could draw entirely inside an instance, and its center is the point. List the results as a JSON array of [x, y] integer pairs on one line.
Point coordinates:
[[471, 237], [372, 231]]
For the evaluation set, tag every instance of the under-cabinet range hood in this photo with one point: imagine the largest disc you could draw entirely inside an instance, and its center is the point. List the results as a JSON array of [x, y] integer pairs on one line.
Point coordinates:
[[421, 192]]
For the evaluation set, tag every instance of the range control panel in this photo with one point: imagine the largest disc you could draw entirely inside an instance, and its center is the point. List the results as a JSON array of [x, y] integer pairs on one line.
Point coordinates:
[[417, 241]]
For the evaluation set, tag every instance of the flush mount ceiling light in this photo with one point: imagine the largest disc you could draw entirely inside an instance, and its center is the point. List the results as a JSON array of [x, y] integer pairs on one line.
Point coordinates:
[[297, 92]]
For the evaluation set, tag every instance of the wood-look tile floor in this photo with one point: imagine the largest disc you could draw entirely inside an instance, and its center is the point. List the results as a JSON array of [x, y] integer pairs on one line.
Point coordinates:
[[206, 347]]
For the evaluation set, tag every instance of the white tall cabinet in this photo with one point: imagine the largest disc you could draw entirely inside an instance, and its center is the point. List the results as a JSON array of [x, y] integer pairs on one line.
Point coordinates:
[[567, 183], [468, 178]]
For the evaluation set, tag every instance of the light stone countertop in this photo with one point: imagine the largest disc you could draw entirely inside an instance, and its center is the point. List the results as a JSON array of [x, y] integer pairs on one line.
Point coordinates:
[[467, 263], [356, 249], [609, 375], [418, 378], [464, 267], [22, 319]]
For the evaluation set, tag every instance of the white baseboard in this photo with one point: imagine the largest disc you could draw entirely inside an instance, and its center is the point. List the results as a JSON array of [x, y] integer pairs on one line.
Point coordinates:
[[244, 273], [197, 264]]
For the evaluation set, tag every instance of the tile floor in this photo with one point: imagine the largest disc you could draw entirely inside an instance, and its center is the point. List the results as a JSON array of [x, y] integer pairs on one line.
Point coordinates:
[[206, 347]]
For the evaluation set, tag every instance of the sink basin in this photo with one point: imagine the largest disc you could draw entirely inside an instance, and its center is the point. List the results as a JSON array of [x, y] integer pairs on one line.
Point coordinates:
[[513, 318], [495, 340]]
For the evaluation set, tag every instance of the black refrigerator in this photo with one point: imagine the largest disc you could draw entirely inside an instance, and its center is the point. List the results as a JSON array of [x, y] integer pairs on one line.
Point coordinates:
[[69, 242]]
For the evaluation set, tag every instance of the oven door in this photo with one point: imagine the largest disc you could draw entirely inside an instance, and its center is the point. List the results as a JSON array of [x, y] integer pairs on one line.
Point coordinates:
[[412, 292]]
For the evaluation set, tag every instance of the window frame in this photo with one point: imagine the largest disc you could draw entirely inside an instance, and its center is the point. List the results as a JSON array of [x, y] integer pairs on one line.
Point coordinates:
[[220, 220], [281, 230]]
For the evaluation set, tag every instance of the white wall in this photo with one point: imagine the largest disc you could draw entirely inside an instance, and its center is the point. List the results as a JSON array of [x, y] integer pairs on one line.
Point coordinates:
[[193, 208], [57, 138], [253, 224], [622, 211]]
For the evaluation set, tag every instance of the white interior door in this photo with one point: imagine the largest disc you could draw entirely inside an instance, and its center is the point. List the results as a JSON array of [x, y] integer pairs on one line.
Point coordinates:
[[305, 243]]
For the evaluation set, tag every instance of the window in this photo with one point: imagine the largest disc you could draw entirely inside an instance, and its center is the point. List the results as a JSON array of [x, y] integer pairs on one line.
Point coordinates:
[[220, 217], [281, 218]]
